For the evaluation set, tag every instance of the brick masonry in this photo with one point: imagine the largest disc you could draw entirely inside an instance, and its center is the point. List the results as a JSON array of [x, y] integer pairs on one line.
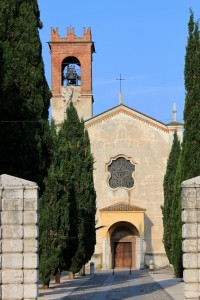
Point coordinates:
[[18, 239], [81, 49], [191, 237]]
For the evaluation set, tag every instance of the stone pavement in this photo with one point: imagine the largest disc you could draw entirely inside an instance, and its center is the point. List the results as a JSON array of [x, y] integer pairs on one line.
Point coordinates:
[[103, 285], [173, 286]]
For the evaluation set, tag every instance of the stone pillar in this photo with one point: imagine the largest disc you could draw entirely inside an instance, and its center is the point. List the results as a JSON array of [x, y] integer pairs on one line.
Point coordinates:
[[141, 253], [91, 268], [104, 254], [19, 233], [191, 237]]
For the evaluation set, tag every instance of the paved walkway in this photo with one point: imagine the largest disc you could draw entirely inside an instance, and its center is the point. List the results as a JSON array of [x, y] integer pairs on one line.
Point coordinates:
[[139, 285]]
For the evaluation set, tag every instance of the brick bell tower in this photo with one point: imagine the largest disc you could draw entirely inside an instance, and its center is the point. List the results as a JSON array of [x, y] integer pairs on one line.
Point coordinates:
[[71, 73]]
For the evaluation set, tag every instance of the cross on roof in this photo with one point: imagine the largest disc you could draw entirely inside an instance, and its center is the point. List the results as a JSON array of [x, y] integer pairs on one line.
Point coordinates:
[[120, 87]]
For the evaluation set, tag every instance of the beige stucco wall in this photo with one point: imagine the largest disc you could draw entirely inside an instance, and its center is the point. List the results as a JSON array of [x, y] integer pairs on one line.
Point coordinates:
[[82, 102], [147, 145]]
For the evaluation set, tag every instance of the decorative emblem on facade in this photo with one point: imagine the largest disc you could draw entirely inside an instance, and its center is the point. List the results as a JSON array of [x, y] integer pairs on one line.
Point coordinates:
[[71, 93], [121, 170]]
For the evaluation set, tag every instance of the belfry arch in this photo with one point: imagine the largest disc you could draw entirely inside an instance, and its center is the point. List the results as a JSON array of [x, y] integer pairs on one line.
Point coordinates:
[[71, 71]]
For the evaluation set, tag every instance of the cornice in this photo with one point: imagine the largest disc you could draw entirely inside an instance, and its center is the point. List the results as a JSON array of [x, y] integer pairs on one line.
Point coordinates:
[[122, 109]]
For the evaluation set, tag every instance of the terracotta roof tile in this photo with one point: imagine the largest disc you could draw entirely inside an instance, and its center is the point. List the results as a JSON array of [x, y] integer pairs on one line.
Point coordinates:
[[122, 206], [174, 123]]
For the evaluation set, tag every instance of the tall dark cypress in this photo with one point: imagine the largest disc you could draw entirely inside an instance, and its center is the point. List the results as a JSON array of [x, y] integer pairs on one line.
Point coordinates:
[[50, 241], [189, 162], [24, 93], [81, 203], [89, 200], [168, 185], [69, 138], [86, 203], [68, 204], [191, 139], [176, 224]]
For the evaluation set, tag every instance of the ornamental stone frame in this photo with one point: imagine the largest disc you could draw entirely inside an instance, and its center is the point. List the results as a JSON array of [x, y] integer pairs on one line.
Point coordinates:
[[18, 239], [121, 173], [191, 237]]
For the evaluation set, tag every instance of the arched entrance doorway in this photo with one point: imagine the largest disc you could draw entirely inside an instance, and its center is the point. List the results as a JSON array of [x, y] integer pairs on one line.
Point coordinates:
[[123, 245]]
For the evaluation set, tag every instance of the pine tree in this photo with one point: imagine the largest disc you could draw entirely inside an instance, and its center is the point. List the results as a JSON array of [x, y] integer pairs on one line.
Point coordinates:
[[168, 185], [24, 93]]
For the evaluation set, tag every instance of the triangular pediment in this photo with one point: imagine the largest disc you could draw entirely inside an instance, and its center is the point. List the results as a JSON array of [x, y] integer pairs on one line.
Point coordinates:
[[123, 206], [126, 111]]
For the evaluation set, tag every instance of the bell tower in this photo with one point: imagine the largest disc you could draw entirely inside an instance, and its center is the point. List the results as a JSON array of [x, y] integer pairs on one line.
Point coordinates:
[[71, 73]]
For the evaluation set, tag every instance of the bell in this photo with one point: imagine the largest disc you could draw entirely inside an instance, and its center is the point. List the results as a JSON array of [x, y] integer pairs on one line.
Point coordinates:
[[71, 75]]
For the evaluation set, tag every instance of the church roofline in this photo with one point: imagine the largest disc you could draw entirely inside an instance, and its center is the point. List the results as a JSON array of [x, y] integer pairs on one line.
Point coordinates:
[[121, 108], [123, 105]]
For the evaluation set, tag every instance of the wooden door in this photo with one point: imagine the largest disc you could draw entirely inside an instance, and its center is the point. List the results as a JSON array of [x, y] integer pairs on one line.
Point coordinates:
[[122, 255]]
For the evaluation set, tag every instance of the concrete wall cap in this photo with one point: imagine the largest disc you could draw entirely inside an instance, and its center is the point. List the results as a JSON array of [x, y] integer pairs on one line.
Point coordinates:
[[12, 181], [193, 182]]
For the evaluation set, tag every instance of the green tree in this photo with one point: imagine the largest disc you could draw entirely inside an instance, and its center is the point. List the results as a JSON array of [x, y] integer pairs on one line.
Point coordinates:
[[189, 163], [78, 166], [176, 224], [168, 185], [50, 243], [24, 93], [86, 200], [68, 158], [190, 166], [68, 205]]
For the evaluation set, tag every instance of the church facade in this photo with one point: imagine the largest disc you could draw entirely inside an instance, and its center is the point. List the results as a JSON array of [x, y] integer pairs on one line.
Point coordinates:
[[130, 151]]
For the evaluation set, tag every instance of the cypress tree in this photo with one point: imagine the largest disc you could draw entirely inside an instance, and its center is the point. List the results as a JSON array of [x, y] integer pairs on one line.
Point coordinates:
[[89, 200], [189, 163], [58, 207], [168, 185], [68, 204], [78, 172], [190, 166], [176, 224], [24, 93], [68, 155], [50, 244], [86, 199]]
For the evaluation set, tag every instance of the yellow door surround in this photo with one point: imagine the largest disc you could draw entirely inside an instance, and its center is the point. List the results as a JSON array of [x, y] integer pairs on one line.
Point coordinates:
[[122, 212]]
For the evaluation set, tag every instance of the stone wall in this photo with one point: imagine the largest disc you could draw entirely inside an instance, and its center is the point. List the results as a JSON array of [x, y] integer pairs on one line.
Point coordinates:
[[18, 243], [191, 237]]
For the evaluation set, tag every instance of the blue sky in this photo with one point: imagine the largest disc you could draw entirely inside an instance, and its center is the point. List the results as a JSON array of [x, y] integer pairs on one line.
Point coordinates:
[[142, 40]]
